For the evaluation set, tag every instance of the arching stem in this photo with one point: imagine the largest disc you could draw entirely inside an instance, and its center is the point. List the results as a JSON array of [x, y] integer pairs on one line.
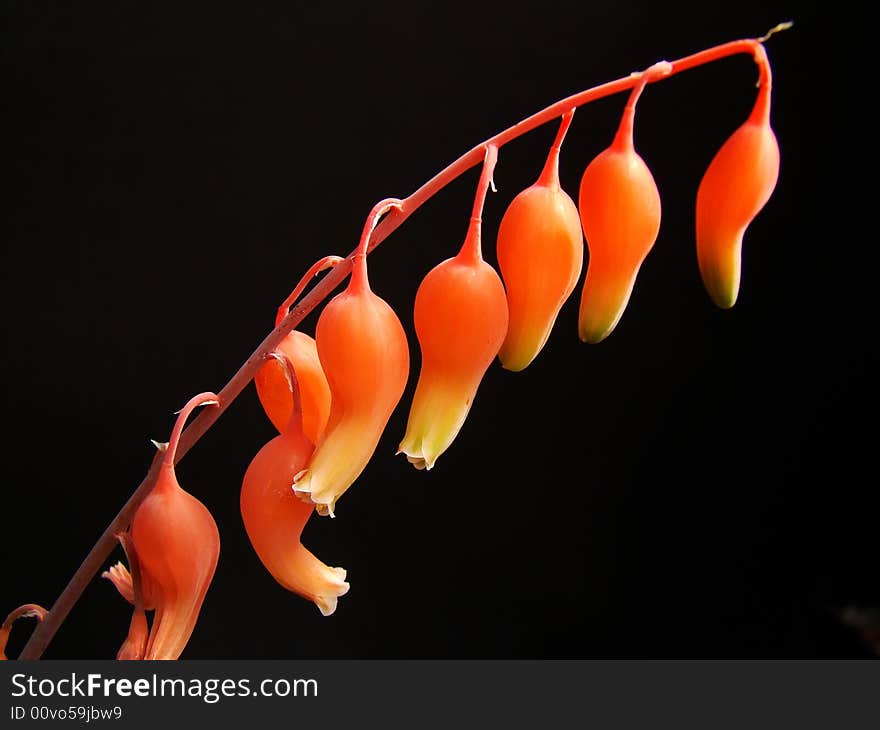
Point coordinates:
[[378, 232], [315, 269], [202, 399], [623, 140], [359, 278]]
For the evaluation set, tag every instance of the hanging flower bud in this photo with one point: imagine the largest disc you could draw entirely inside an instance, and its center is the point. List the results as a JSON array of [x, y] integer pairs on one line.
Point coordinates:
[[274, 516], [177, 545], [736, 186], [365, 356], [29, 610], [540, 254], [620, 212], [271, 379], [460, 321]]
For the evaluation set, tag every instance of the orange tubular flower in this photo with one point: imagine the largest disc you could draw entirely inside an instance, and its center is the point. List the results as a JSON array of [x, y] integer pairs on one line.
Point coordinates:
[[271, 380], [274, 516], [620, 212], [540, 254], [173, 550], [460, 320], [736, 186], [364, 354]]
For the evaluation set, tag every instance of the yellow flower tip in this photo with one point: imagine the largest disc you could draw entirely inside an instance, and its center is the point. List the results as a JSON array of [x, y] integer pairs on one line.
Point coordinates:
[[419, 462], [336, 588], [522, 345], [593, 335], [724, 300], [604, 299], [513, 365], [325, 509], [415, 454], [719, 262]]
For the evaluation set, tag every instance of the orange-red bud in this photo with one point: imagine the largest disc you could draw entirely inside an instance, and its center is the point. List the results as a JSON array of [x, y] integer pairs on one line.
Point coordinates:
[[736, 185], [177, 546], [364, 354], [460, 321], [540, 253], [620, 211]]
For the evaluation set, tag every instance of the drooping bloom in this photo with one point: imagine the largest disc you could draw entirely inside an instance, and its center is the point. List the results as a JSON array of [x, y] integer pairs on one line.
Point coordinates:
[[460, 320], [540, 254], [176, 544], [274, 516], [620, 211], [735, 187], [365, 356]]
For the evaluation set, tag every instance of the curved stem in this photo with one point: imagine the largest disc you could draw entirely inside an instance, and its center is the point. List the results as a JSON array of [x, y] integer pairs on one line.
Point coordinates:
[[549, 176], [202, 399], [28, 610], [623, 140], [315, 269], [359, 277], [44, 632], [472, 247]]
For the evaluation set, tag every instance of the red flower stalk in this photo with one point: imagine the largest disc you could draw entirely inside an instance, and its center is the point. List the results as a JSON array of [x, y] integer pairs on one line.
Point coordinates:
[[620, 211], [540, 254], [365, 356], [272, 381], [460, 321], [735, 187], [274, 516], [175, 545]]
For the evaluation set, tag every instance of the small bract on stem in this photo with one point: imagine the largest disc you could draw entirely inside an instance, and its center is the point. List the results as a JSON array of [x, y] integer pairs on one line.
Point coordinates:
[[358, 301]]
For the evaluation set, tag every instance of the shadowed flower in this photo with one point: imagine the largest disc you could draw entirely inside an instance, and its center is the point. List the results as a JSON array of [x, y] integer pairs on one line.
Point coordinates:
[[174, 546], [274, 392], [460, 320], [736, 186], [274, 516]]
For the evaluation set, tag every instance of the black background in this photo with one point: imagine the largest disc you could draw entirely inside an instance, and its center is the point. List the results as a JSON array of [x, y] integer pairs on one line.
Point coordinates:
[[699, 485]]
